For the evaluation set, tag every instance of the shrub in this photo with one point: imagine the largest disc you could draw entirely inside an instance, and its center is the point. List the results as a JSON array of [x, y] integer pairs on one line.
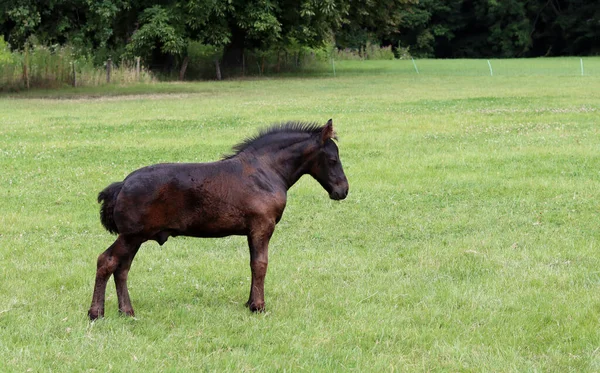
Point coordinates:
[[5, 55], [369, 52], [201, 60], [403, 53], [290, 57], [375, 52], [9, 66]]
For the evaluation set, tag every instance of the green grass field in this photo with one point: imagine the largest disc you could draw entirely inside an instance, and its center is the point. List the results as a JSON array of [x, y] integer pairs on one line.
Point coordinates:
[[469, 240]]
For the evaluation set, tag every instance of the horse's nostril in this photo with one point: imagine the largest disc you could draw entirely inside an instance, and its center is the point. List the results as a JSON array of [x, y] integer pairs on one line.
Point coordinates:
[[339, 194]]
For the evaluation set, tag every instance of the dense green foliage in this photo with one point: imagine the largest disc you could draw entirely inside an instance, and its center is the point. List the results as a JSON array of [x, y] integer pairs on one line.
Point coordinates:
[[468, 243], [161, 30], [491, 28]]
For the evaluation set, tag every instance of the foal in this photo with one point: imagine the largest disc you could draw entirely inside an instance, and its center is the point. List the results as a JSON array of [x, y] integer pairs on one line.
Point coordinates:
[[243, 194]]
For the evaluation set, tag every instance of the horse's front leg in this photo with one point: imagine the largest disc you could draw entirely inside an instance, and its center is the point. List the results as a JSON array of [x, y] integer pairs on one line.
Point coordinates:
[[258, 241]]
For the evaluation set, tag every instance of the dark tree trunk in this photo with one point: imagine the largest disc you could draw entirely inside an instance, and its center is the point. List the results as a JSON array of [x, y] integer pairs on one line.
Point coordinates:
[[184, 66], [233, 55], [278, 61], [218, 68]]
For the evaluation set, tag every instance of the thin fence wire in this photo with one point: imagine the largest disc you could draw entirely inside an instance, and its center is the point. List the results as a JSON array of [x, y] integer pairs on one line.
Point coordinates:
[[47, 69], [559, 66]]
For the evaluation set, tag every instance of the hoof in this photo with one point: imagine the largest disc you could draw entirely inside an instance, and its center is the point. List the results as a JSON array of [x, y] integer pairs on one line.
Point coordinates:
[[95, 313], [127, 312], [256, 306]]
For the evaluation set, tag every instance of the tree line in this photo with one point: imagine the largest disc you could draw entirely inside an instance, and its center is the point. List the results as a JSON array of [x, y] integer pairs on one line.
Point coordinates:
[[502, 28], [161, 31]]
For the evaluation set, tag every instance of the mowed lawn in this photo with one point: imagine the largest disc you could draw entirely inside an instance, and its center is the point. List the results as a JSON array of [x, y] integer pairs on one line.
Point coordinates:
[[469, 241]]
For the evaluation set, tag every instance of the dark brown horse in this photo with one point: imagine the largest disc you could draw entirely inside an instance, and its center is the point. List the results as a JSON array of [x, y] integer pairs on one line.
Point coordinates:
[[242, 194]]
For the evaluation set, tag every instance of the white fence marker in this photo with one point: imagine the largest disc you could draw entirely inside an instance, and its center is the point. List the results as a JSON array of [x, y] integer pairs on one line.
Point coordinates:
[[490, 65], [333, 64], [415, 65], [581, 61]]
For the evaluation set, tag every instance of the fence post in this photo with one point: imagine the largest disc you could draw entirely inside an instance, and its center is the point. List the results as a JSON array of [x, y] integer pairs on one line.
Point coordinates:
[[415, 65], [26, 66], [333, 64], [581, 62], [108, 69], [137, 68], [490, 65], [74, 74]]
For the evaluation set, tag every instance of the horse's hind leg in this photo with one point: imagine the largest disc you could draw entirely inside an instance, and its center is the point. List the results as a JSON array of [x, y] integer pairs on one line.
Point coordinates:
[[121, 251], [120, 277]]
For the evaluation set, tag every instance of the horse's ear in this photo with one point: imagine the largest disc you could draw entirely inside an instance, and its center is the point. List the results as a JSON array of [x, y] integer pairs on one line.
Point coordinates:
[[327, 132]]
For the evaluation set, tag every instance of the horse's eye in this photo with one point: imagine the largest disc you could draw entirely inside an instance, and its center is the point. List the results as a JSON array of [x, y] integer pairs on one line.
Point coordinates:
[[332, 161]]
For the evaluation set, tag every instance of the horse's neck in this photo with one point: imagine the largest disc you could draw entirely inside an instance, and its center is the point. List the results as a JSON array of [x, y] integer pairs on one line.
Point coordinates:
[[291, 163]]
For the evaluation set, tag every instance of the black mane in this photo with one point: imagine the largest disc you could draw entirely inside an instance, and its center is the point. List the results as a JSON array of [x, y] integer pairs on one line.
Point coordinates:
[[276, 132]]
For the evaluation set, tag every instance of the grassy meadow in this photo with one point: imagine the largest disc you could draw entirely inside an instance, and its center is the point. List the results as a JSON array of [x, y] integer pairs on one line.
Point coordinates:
[[469, 241]]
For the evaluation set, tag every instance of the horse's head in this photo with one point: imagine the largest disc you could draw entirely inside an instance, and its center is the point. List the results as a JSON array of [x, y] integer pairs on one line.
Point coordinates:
[[327, 169]]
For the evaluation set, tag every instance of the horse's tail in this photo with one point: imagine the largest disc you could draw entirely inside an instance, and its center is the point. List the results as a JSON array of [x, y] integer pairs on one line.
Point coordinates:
[[108, 198]]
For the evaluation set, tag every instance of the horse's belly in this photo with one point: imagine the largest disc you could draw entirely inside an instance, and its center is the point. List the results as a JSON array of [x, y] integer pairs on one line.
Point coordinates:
[[215, 229], [211, 233], [215, 224]]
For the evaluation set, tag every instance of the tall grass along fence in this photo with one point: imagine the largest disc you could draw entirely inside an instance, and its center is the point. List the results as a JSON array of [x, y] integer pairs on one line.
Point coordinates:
[[291, 59], [40, 66], [369, 52], [203, 61]]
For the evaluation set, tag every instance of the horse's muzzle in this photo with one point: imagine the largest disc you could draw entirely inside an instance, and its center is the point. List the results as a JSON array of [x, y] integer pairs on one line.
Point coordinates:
[[339, 194]]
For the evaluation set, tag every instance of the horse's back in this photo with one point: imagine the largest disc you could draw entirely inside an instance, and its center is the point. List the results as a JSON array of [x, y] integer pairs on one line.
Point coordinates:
[[196, 199]]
